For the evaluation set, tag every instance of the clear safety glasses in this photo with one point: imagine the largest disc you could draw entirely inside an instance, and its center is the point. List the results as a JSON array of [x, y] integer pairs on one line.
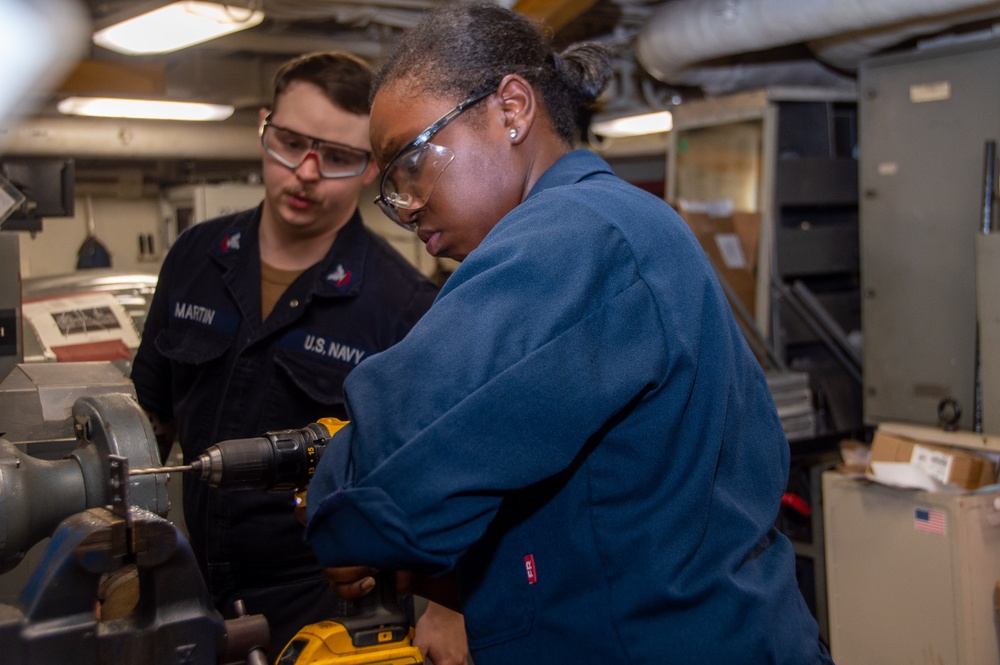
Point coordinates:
[[292, 149], [410, 176]]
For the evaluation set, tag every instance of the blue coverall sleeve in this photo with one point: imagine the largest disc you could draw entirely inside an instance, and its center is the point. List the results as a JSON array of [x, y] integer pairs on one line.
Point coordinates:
[[522, 360]]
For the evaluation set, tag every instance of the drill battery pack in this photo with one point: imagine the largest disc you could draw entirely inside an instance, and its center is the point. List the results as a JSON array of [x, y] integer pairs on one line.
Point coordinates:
[[330, 643], [378, 632]]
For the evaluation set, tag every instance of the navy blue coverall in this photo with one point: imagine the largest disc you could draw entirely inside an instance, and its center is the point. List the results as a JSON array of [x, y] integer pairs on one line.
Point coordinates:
[[607, 459]]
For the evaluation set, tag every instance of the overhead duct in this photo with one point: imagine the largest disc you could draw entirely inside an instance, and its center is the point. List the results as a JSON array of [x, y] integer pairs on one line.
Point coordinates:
[[131, 140], [292, 43], [846, 51], [683, 33]]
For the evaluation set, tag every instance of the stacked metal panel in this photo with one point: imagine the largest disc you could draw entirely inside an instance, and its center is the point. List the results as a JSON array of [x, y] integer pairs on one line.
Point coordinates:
[[794, 400]]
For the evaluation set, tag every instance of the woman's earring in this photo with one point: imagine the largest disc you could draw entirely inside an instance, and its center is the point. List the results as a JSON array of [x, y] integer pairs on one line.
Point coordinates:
[[513, 133]]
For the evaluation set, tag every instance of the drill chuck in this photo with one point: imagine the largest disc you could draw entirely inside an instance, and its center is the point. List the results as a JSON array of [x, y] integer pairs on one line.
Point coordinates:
[[280, 460]]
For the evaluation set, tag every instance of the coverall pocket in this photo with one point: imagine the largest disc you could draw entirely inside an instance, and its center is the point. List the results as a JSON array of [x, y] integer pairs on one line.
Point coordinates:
[[195, 375], [305, 390], [499, 610], [192, 346]]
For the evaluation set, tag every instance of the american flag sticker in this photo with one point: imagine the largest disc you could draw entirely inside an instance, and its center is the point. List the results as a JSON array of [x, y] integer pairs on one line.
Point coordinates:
[[529, 568], [930, 521]]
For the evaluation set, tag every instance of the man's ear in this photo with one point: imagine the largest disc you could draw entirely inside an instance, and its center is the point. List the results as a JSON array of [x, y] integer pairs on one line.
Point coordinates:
[[261, 114], [370, 173], [519, 105]]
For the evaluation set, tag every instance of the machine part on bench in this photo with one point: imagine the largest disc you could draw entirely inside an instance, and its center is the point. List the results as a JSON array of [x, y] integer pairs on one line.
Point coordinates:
[[173, 621], [116, 584], [255, 652], [36, 402], [36, 494]]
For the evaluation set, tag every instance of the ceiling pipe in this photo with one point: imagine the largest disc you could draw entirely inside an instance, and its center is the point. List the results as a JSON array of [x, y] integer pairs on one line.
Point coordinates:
[[99, 138], [393, 13], [846, 51], [291, 43], [685, 32], [736, 76]]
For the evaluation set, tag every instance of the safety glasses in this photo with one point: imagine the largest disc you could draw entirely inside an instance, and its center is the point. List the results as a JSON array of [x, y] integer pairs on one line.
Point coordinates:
[[292, 149], [410, 176]]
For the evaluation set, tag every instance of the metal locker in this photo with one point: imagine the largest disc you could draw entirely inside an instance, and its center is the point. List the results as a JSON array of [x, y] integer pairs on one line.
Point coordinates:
[[923, 120]]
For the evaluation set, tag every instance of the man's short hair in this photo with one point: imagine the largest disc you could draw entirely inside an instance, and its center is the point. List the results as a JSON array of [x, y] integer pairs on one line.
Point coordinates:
[[344, 78]]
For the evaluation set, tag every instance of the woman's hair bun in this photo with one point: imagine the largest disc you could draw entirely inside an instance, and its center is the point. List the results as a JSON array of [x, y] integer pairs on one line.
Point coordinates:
[[586, 69]]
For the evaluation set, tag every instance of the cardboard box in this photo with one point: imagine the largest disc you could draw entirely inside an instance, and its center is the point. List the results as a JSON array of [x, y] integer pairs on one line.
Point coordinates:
[[943, 463], [855, 455], [731, 244]]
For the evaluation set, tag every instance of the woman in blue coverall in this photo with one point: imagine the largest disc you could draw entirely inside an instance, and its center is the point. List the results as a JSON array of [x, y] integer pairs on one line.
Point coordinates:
[[576, 428]]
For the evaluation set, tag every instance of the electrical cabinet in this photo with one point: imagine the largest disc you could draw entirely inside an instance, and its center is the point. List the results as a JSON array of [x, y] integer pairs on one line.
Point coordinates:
[[911, 575], [924, 119], [188, 205]]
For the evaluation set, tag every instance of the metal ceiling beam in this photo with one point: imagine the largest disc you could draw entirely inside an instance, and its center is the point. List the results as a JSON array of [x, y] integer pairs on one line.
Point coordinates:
[[100, 77], [290, 43], [556, 14]]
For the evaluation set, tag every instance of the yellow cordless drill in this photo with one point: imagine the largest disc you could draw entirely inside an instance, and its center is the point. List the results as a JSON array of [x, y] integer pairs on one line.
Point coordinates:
[[380, 632]]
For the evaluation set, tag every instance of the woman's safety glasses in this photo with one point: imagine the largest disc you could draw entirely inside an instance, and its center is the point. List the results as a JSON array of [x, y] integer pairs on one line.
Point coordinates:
[[410, 176], [292, 149]]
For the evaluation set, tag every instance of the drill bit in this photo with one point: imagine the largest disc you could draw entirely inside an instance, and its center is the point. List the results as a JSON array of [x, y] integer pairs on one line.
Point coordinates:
[[159, 469]]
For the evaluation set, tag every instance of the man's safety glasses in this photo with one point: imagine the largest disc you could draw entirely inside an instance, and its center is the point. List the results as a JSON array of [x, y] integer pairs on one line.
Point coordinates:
[[410, 176], [292, 149]]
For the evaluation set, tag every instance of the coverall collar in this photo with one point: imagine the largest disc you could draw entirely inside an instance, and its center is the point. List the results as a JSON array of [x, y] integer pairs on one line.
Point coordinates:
[[570, 168], [339, 274]]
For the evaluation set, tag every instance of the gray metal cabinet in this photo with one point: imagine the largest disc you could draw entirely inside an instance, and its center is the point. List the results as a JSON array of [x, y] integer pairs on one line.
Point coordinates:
[[911, 574], [924, 118]]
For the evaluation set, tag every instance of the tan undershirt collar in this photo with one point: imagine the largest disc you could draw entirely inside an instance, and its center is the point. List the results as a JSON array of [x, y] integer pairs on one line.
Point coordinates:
[[273, 283]]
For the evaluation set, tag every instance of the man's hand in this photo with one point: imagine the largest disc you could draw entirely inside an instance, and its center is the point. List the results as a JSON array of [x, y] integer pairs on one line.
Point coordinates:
[[440, 636], [352, 583]]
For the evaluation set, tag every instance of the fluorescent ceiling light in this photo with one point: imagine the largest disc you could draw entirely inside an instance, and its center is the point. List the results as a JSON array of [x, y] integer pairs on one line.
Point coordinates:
[[143, 109], [634, 125], [176, 26]]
